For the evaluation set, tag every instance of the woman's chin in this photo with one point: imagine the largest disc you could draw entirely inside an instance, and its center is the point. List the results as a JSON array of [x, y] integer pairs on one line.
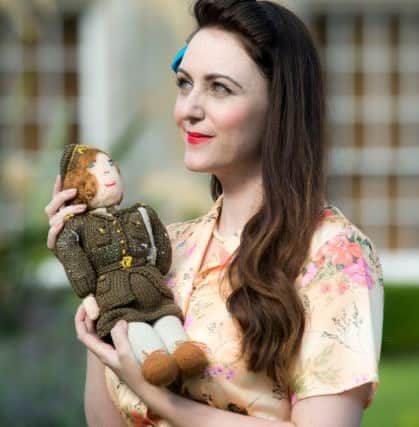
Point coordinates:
[[195, 165]]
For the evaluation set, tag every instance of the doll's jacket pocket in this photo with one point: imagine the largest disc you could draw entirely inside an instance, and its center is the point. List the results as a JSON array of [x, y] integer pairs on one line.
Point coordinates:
[[99, 233], [136, 228]]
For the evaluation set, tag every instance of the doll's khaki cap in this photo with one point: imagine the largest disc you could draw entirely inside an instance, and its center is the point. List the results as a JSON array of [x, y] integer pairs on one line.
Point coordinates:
[[69, 157]]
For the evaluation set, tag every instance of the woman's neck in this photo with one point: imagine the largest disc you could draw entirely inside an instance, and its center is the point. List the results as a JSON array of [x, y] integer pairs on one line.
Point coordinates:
[[241, 200]]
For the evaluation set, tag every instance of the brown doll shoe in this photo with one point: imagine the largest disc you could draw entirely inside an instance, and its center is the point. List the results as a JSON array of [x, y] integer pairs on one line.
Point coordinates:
[[190, 359], [160, 368]]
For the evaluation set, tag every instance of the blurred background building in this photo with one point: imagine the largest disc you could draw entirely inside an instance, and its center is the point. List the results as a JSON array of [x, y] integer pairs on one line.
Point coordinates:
[[98, 72], [371, 56]]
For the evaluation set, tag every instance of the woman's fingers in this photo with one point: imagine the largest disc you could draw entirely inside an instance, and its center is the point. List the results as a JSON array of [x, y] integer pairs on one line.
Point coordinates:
[[128, 367], [68, 210], [57, 222], [57, 186], [53, 233], [59, 200], [119, 334], [86, 334]]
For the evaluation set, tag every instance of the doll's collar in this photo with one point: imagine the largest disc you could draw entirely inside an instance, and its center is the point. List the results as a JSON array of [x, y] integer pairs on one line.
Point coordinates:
[[109, 212]]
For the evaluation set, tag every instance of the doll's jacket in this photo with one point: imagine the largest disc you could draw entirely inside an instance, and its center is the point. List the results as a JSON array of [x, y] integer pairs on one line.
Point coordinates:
[[107, 256]]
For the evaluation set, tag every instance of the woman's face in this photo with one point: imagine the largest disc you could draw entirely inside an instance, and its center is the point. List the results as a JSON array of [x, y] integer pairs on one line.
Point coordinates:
[[108, 182], [221, 105]]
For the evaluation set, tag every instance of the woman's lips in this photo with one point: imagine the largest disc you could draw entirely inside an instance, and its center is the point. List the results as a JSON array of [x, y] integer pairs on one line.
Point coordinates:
[[111, 184], [197, 138]]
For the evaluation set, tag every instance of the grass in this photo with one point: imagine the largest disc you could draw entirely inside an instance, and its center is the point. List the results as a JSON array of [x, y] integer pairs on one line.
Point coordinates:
[[396, 403]]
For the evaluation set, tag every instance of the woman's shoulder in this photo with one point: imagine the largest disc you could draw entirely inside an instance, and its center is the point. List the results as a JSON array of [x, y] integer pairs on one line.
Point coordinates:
[[335, 225], [340, 250]]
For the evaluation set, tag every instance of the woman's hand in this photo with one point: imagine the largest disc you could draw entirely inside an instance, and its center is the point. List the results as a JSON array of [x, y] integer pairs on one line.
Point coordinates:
[[56, 211], [120, 358]]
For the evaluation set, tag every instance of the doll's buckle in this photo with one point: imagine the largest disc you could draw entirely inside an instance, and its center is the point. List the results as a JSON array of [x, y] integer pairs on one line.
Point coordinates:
[[126, 261]]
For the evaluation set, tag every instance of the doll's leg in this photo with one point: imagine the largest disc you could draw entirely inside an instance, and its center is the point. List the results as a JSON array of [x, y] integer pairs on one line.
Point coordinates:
[[143, 340], [171, 331], [189, 356], [157, 366]]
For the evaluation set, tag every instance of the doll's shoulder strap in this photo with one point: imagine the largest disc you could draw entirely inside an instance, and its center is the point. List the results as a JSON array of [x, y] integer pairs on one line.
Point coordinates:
[[152, 255]]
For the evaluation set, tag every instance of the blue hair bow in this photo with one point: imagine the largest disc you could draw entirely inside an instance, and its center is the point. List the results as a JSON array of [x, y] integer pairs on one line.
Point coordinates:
[[178, 59]]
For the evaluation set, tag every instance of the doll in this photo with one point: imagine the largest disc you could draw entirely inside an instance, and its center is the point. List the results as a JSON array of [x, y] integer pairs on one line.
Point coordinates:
[[116, 259]]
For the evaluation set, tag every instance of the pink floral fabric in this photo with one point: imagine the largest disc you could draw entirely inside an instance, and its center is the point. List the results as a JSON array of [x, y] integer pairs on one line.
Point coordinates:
[[341, 287]]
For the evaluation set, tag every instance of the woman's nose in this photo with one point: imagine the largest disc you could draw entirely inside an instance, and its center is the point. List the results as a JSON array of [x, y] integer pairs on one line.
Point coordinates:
[[193, 107]]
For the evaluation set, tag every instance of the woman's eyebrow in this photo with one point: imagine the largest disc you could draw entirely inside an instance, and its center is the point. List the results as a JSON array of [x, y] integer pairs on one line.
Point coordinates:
[[213, 76]]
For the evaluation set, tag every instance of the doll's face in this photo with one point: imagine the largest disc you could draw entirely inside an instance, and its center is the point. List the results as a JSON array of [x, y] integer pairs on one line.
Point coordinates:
[[108, 182]]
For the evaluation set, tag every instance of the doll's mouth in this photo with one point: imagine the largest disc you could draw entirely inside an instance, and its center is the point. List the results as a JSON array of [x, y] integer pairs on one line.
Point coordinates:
[[110, 184]]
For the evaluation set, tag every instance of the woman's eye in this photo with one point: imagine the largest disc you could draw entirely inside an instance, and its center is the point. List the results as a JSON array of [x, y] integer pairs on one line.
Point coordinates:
[[110, 161], [182, 83], [91, 165], [220, 88]]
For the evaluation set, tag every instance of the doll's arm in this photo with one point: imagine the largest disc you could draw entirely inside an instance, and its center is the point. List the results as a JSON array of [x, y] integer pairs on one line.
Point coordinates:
[[91, 306], [162, 241], [75, 261]]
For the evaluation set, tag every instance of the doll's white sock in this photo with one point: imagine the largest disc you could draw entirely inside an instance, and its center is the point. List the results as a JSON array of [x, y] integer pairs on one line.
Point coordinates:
[[171, 331], [144, 340]]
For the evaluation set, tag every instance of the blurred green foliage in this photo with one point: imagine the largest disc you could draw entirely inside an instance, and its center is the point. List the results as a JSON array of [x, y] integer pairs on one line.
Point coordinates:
[[43, 364], [397, 400], [18, 262], [401, 320]]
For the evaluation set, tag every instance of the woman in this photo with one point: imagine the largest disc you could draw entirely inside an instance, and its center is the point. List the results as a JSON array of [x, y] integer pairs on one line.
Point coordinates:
[[286, 293]]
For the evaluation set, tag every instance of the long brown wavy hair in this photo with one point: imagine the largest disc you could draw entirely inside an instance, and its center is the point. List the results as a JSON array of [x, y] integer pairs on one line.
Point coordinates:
[[275, 241]]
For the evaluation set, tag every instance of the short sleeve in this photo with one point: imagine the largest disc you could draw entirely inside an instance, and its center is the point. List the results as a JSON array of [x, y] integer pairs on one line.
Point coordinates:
[[341, 287]]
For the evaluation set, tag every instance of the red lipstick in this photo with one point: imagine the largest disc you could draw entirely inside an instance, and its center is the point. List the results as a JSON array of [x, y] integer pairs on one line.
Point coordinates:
[[197, 138], [111, 184]]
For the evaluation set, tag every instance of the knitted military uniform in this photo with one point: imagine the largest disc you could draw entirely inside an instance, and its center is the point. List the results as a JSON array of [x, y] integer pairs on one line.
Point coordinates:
[[106, 255]]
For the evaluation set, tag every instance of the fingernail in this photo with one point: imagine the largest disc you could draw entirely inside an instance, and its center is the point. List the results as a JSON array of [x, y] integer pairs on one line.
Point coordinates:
[[81, 207]]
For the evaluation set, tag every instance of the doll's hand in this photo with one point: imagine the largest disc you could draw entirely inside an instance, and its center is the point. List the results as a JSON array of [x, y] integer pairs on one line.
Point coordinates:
[[92, 309], [56, 211], [120, 358]]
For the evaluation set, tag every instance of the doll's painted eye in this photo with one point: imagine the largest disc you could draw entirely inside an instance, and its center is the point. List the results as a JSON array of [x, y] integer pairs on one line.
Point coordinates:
[[91, 165]]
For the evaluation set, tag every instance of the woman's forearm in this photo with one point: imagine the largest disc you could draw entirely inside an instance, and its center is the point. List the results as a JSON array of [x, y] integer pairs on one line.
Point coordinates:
[[181, 412]]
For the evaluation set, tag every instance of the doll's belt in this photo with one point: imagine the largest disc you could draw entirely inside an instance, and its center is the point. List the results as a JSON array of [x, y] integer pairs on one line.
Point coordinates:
[[125, 263]]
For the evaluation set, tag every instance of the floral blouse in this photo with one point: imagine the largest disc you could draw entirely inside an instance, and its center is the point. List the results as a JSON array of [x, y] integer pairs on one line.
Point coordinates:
[[341, 287]]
